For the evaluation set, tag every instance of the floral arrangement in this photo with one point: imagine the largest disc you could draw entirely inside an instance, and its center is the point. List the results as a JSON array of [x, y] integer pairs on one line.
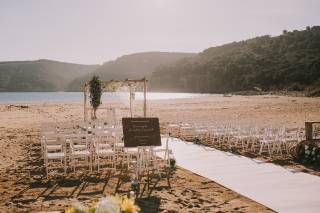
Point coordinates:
[[172, 161], [308, 153], [109, 204]]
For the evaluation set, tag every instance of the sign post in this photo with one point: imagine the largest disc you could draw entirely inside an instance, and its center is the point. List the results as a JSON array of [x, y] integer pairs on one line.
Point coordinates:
[[143, 133]]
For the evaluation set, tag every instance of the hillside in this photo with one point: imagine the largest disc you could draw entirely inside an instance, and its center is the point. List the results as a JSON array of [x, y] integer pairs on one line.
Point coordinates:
[[41, 75], [290, 61], [131, 66]]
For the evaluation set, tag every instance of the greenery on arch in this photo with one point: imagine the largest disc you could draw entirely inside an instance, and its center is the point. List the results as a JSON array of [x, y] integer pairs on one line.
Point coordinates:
[[95, 89]]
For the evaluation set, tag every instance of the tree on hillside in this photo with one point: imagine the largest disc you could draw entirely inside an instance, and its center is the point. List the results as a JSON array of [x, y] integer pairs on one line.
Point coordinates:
[[290, 61]]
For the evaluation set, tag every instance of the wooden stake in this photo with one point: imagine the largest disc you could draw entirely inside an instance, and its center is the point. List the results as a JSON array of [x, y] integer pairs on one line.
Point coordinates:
[[85, 103], [145, 97], [130, 91]]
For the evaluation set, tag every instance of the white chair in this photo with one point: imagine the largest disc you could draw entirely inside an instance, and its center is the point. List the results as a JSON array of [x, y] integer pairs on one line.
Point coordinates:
[[242, 138], [54, 149], [257, 134], [187, 132], [81, 152], [104, 149], [164, 153], [291, 138], [147, 161], [268, 142], [132, 154], [49, 137]]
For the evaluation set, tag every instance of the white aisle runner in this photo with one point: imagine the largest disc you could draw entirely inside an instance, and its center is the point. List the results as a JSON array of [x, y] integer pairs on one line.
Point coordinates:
[[280, 189]]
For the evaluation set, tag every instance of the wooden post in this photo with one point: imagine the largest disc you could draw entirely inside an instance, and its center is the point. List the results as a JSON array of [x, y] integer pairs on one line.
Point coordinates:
[[130, 91], [85, 103], [309, 131], [145, 97]]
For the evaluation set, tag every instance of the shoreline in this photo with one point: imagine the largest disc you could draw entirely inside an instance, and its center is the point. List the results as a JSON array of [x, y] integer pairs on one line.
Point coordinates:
[[212, 96]]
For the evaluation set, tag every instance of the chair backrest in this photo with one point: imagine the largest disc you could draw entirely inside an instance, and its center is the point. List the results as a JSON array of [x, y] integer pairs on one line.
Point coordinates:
[[50, 136], [104, 142], [80, 139], [56, 140]]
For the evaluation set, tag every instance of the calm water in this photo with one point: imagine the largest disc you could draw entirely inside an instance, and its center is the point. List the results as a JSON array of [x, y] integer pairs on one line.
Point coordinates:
[[26, 97]]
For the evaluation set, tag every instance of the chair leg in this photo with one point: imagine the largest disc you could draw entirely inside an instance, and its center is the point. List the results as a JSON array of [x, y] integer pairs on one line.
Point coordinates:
[[47, 169], [65, 165], [98, 163], [261, 148], [73, 164], [269, 150], [90, 163]]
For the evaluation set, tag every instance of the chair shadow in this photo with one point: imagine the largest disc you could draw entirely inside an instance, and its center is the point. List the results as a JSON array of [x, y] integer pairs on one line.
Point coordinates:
[[94, 179], [149, 204]]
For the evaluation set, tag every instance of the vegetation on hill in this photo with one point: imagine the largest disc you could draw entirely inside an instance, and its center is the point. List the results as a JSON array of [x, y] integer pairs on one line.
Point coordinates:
[[290, 61], [131, 66], [41, 75]]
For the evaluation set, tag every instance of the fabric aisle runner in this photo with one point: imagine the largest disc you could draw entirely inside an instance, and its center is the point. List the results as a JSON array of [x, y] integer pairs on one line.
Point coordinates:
[[279, 188]]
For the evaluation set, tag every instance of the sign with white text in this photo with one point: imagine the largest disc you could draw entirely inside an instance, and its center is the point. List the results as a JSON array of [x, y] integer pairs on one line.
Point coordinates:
[[141, 132]]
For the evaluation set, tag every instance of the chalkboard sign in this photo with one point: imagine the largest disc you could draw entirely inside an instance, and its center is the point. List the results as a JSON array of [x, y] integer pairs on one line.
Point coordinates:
[[141, 132], [312, 130]]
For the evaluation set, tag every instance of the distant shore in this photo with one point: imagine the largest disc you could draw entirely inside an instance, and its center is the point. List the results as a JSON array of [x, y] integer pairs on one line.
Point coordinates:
[[314, 93]]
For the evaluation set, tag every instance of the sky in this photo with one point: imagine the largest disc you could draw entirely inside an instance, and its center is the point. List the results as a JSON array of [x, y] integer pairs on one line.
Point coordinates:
[[96, 31]]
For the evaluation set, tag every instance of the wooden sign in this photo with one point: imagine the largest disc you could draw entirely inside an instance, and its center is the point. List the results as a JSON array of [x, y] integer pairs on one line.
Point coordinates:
[[141, 132], [312, 130]]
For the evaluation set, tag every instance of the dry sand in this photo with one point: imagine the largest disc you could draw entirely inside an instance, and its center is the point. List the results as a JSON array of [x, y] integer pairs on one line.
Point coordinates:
[[19, 142]]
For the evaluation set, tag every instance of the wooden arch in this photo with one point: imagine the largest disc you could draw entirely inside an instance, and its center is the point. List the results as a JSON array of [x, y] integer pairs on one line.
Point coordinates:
[[115, 85]]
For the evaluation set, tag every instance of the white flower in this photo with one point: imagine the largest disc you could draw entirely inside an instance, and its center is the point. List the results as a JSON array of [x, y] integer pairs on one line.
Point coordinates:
[[307, 152], [106, 205], [314, 149], [306, 147], [79, 207]]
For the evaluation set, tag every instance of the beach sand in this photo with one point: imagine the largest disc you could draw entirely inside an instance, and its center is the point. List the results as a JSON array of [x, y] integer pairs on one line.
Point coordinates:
[[19, 138]]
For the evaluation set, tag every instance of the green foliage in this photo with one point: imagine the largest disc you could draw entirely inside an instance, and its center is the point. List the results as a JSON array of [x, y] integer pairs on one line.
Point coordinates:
[[290, 61], [133, 66], [41, 75], [308, 153], [95, 89]]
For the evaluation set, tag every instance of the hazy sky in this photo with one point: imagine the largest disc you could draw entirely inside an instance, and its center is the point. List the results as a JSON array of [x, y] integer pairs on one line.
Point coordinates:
[[94, 31]]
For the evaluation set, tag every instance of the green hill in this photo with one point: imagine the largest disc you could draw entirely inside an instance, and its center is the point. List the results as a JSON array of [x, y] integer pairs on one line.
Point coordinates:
[[41, 75], [290, 61], [131, 66]]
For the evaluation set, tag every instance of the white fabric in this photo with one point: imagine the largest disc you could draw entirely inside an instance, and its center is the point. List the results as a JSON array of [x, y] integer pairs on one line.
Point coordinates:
[[55, 155], [80, 146], [81, 153], [54, 147], [281, 189], [104, 151]]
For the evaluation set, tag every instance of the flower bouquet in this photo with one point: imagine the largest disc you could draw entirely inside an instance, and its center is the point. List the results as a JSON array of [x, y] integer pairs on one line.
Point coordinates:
[[308, 153], [109, 204]]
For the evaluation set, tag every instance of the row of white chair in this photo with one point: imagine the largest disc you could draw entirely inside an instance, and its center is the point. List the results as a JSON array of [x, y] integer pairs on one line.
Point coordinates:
[[70, 146], [79, 150], [247, 138]]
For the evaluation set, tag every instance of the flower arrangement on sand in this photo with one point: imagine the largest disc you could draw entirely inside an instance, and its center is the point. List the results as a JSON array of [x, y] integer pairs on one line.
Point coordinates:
[[308, 153], [109, 204]]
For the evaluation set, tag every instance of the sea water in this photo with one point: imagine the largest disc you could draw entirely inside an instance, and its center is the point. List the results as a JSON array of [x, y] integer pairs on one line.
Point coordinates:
[[27, 97]]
